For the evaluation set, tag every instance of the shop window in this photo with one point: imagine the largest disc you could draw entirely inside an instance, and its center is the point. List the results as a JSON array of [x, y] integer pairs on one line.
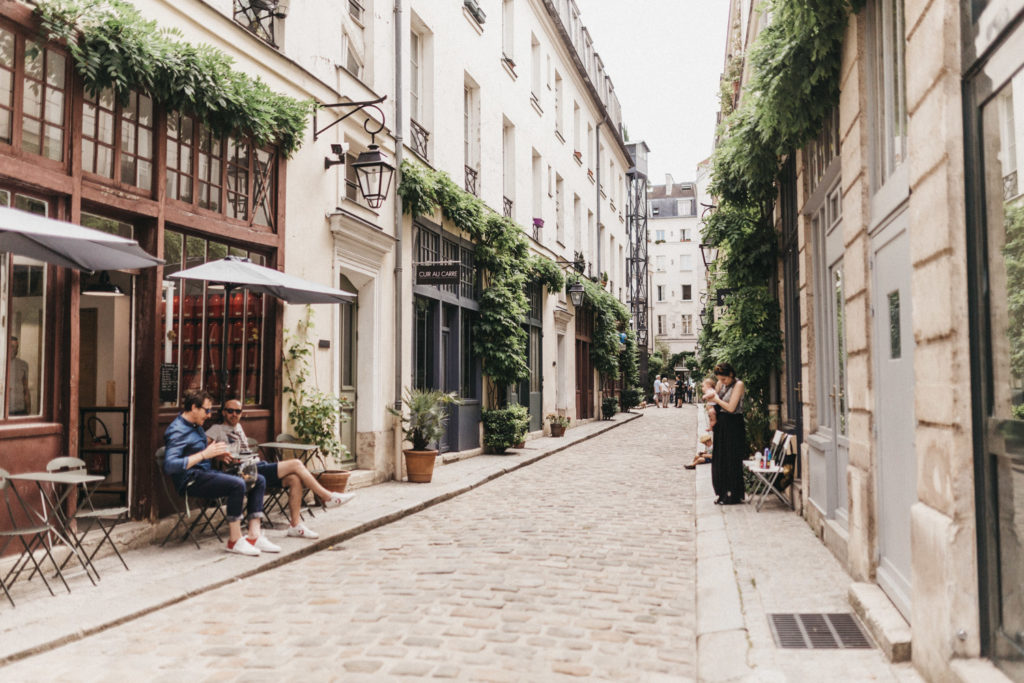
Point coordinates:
[[6, 85], [43, 100], [23, 311], [228, 176], [180, 148], [98, 133], [201, 326], [137, 142]]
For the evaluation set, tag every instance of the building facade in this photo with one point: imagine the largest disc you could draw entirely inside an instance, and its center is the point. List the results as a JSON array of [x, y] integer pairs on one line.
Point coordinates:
[[898, 228], [676, 266]]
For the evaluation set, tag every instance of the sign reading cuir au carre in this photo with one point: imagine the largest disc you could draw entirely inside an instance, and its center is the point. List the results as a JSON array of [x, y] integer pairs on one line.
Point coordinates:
[[437, 273]]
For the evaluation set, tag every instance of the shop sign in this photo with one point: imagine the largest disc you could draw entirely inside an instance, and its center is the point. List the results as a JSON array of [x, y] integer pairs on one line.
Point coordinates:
[[438, 273], [169, 382]]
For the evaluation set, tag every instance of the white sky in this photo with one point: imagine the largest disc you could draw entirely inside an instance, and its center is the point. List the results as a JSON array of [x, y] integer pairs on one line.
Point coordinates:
[[664, 58]]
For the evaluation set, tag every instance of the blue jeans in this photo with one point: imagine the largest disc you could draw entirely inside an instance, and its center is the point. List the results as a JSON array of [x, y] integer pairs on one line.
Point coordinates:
[[210, 484]]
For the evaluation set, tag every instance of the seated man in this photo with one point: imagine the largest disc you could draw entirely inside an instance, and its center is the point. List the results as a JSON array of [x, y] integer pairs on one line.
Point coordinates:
[[292, 473], [187, 460]]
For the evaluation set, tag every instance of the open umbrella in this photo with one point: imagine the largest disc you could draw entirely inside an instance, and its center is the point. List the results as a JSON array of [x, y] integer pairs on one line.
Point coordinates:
[[67, 244], [236, 272]]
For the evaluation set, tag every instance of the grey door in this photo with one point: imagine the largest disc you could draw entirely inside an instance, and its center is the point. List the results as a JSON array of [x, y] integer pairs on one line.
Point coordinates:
[[896, 470]]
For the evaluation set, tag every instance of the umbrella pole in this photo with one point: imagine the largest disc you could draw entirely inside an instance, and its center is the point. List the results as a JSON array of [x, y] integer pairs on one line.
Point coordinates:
[[224, 347]]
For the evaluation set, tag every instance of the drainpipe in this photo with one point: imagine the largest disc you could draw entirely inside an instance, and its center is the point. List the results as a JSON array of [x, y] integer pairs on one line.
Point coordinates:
[[597, 153], [398, 235]]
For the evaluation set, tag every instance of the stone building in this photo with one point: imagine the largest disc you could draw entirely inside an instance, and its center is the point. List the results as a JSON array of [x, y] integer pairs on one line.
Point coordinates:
[[676, 266], [899, 228]]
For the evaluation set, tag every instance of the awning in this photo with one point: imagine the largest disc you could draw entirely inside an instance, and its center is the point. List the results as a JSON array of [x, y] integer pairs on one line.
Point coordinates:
[[67, 244], [236, 272]]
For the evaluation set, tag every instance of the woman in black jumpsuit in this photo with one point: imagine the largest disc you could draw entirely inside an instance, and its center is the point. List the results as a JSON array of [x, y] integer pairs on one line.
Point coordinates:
[[730, 434]]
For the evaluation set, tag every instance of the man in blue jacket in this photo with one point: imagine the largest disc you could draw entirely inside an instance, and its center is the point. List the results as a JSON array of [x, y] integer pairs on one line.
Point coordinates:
[[188, 460]]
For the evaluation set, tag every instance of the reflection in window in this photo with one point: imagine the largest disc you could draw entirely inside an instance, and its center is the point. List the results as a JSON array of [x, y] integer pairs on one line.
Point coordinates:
[[98, 133], [43, 106], [202, 327], [840, 332], [23, 307], [6, 85], [895, 344]]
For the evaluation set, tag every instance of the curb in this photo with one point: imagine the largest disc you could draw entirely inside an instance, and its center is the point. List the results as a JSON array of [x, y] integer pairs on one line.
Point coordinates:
[[324, 543]]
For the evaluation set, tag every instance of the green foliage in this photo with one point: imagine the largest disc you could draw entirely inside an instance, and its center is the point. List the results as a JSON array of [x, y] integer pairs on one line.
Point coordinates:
[[1013, 257], [114, 47], [609, 406], [502, 252], [628, 364], [505, 427], [611, 316], [795, 66], [425, 417], [546, 272], [631, 398], [313, 414]]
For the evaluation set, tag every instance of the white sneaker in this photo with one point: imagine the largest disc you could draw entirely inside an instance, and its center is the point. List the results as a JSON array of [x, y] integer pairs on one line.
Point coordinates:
[[302, 531], [243, 547], [263, 544], [338, 499]]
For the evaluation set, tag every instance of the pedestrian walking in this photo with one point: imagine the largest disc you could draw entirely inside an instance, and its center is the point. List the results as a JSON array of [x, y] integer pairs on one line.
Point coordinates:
[[729, 436], [666, 392], [657, 391], [680, 391]]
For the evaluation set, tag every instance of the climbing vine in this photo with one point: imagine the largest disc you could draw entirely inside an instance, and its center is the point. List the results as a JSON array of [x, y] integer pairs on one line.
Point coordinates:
[[795, 67], [113, 46], [610, 318], [502, 254]]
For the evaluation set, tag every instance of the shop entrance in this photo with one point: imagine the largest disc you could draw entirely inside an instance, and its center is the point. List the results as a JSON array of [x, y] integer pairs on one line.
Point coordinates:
[[105, 387]]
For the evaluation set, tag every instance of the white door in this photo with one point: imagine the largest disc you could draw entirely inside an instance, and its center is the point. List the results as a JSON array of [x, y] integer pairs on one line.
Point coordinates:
[[894, 373]]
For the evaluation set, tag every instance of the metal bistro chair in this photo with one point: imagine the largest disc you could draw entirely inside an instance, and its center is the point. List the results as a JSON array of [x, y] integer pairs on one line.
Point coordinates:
[[36, 535], [276, 498], [210, 514], [90, 516]]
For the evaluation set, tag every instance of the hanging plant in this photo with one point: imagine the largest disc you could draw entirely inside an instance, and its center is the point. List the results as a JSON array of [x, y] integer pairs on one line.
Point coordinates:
[[113, 46]]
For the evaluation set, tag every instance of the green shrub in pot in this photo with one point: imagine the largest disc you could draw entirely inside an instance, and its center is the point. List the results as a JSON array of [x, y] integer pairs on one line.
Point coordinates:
[[505, 427]]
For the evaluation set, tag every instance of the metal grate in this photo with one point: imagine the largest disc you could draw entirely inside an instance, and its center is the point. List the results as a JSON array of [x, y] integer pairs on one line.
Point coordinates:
[[818, 631]]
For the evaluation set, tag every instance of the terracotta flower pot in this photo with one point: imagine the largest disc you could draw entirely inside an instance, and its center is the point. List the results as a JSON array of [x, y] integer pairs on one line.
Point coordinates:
[[334, 480], [420, 465], [557, 430]]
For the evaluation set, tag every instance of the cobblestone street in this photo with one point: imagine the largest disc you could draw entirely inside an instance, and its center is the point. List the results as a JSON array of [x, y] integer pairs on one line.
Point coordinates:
[[579, 565]]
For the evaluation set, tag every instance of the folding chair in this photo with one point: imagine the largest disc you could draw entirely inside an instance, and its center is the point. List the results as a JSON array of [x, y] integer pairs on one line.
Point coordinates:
[[768, 477], [89, 516], [36, 535], [276, 498], [210, 513]]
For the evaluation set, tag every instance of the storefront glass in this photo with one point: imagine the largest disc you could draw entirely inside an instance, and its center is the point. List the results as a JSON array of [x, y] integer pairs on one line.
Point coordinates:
[[197, 322]]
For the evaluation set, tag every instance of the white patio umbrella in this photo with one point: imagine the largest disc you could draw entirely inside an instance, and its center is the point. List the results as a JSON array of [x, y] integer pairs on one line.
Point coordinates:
[[67, 244], [236, 272]]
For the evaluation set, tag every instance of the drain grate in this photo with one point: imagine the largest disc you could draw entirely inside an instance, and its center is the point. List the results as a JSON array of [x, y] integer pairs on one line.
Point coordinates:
[[818, 631]]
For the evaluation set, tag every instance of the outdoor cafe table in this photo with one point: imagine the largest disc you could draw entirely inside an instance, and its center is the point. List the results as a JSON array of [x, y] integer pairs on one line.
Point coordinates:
[[53, 505], [306, 452]]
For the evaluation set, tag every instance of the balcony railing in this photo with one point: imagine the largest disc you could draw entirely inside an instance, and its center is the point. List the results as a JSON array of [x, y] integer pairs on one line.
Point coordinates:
[[471, 175], [508, 206], [420, 136]]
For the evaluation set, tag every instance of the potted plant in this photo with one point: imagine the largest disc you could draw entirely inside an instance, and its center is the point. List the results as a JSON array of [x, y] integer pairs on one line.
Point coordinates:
[[609, 406], [423, 423], [558, 424], [604, 278], [505, 427]]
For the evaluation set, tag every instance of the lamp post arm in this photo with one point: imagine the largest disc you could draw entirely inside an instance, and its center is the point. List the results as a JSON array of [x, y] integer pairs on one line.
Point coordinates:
[[357, 106]]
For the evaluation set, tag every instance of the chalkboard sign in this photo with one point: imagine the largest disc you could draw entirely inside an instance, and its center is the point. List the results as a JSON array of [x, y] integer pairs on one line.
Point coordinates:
[[169, 382]]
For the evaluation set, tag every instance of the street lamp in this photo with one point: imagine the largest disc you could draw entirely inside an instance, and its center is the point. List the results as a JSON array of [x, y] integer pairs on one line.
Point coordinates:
[[576, 293], [709, 253], [374, 174], [703, 317]]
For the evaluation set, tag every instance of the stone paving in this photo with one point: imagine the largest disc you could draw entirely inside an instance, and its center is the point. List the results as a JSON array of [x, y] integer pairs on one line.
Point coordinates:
[[579, 565]]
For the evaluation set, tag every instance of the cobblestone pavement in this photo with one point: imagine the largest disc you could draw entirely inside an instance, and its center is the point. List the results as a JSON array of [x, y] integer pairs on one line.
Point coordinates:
[[581, 565]]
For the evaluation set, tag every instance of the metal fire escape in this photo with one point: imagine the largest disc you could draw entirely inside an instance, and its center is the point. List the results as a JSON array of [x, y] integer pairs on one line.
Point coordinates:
[[636, 233]]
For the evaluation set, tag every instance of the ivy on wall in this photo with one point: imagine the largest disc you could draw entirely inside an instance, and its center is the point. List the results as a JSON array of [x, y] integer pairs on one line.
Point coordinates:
[[113, 46], [610, 318], [795, 69], [502, 253]]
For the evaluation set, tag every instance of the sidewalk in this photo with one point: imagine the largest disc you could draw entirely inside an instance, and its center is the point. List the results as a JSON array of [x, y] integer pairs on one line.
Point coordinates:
[[751, 564], [159, 577]]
